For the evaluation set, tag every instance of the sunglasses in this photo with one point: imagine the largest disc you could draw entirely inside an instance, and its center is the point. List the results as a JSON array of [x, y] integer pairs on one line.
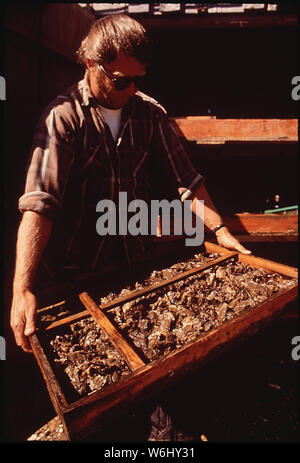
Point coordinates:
[[123, 82]]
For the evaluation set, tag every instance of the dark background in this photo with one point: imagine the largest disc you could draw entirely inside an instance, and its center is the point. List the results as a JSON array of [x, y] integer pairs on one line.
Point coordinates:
[[233, 72]]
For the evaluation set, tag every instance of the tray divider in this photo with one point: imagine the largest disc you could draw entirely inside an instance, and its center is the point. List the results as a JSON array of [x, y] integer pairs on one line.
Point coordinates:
[[269, 265], [115, 337], [141, 292], [52, 306], [69, 319], [180, 276]]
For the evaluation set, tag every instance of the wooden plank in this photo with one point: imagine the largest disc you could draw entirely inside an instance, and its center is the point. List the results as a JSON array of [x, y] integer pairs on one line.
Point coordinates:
[[58, 399], [266, 238], [269, 265], [262, 226], [256, 262], [141, 292], [162, 284], [52, 306], [246, 238], [131, 357], [204, 129], [216, 249], [285, 224], [84, 415], [66, 320]]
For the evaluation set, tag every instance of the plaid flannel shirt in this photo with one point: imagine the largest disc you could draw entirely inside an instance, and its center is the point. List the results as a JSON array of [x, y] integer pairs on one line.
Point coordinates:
[[75, 163]]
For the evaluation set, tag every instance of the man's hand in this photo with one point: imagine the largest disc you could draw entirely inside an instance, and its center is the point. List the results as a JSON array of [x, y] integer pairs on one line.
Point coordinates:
[[225, 239], [33, 235], [22, 319], [212, 219]]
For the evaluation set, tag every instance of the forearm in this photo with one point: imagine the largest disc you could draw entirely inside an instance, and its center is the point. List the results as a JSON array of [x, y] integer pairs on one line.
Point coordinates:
[[212, 219], [211, 216], [33, 235]]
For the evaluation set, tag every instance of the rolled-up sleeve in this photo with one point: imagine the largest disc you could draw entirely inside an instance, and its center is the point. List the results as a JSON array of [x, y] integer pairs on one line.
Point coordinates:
[[52, 156], [172, 153]]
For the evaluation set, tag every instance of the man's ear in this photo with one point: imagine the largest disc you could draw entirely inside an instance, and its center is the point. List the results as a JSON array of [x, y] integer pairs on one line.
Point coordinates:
[[90, 64]]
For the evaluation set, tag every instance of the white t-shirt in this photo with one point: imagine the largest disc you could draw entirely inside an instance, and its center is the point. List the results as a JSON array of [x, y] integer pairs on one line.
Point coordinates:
[[113, 119]]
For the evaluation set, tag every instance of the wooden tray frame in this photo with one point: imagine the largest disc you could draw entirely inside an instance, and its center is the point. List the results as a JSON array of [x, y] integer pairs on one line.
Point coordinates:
[[89, 414]]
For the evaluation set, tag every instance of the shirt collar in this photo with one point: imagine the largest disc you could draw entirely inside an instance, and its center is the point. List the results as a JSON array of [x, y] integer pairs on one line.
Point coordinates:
[[85, 90]]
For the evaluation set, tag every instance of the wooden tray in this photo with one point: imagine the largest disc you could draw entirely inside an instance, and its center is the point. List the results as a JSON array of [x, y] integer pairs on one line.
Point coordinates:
[[83, 416]]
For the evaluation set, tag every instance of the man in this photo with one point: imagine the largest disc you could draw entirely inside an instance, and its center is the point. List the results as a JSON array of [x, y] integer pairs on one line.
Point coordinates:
[[100, 138]]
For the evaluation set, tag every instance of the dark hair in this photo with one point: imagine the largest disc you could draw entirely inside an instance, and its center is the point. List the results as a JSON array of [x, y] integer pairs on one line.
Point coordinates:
[[112, 34]]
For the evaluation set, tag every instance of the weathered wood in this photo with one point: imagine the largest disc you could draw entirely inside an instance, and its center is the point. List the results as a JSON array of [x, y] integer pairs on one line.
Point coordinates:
[[52, 306], [215, 248], [131, 357], [263, 223], [256, 262], [69, 319], [250, 227], [207, 130], [269, 265], [266, 238], [162, 284], [58, 399]]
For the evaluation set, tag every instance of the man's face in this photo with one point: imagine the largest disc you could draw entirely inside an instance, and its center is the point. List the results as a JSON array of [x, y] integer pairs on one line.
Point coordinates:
[[104, 89]]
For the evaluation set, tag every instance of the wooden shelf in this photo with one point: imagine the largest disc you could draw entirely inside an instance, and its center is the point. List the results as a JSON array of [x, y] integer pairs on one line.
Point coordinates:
[[211, 130]]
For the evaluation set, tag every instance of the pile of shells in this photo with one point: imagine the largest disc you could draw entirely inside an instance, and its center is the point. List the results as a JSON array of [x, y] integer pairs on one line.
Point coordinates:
[[198, 260], [162, 321], [86, 354], [88, 357]]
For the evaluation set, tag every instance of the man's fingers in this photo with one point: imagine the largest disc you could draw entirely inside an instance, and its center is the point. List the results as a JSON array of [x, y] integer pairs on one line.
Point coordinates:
[[238, 247], [18, 329], [21, 339], [229, 241], [29, 327], [243, 250], [23, 326], [26, 346]]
